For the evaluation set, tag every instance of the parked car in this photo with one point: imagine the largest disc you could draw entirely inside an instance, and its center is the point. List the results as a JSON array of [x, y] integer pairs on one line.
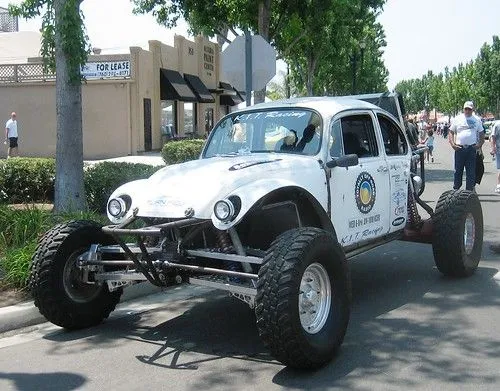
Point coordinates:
[[273, 221]]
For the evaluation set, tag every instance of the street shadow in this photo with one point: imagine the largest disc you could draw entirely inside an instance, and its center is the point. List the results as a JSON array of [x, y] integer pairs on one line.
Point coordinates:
[[391, 284], [439, 175], [381, 340], [61, 381]]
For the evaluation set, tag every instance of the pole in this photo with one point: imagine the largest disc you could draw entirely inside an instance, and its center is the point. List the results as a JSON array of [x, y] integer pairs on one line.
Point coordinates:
[[248, 67], [353, 63]]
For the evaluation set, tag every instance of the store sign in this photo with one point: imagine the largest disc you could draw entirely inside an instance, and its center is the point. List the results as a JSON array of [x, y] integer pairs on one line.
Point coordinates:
[[105, 69]]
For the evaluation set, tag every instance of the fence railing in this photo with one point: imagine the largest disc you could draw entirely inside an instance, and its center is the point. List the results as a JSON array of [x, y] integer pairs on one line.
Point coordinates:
[[16, 73]]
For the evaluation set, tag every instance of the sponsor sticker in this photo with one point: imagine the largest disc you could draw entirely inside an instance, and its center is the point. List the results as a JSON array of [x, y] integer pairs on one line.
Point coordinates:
[[365, 192], [398, 221]]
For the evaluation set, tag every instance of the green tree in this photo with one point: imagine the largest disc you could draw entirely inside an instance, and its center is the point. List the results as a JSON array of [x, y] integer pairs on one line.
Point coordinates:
[[308, 34], [64, 49]]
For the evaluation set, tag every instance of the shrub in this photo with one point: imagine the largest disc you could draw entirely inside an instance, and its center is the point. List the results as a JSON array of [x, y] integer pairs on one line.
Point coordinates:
[[181, 151], [103, 178], [20, 231], [20, 226], [27, 180]]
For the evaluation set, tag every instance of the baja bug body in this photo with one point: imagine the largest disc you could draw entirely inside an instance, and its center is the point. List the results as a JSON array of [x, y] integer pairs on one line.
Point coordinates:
[[282, 195]]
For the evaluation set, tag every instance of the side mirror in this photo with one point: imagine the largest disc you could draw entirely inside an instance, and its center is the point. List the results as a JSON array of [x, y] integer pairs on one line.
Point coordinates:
[[344, 161]]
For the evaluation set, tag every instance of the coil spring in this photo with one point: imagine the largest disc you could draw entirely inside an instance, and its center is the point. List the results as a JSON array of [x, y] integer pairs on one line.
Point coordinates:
[[225, 244], [223, 240], [414, 218]]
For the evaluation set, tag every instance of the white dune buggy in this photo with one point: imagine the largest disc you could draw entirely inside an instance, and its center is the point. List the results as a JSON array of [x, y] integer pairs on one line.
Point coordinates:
[[282, 195]]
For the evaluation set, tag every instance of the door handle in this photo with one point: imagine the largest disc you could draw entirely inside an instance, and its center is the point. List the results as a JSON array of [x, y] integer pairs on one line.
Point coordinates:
[[382, 169]]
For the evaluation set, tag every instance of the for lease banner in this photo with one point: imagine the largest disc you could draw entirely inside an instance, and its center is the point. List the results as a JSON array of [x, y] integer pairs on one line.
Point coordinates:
[[106, 69]]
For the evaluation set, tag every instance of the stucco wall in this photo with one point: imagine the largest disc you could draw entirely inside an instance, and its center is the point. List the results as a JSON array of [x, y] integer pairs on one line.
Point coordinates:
[[105, 118], [34, 105]]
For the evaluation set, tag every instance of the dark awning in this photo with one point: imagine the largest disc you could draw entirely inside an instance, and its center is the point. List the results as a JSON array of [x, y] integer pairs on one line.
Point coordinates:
[[174, 87], [229, 96], [199, 89]]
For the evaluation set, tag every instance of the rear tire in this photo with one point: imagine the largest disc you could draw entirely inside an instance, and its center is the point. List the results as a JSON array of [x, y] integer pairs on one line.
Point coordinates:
[[457, 233], [55, 281], [303, 298]]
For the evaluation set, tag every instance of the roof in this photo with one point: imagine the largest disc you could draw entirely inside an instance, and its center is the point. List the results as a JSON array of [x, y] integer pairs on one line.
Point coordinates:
[[325, 105]]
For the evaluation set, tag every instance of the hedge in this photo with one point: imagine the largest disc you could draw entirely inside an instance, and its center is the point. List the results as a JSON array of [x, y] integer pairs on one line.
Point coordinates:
[[30, 180], [181, 151], [24, 180], [102, 179]]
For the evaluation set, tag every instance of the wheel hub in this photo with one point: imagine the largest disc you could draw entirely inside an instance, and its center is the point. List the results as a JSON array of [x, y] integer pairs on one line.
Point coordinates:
[[469, 233], [74, 286], [314, 298]]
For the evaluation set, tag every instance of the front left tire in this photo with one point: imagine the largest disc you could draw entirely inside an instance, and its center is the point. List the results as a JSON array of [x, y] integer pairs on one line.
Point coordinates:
[[303, 298], [55, 280]]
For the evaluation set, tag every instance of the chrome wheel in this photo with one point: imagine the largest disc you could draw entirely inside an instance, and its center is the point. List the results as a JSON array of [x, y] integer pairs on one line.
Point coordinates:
[[314, 298], [469, 233]]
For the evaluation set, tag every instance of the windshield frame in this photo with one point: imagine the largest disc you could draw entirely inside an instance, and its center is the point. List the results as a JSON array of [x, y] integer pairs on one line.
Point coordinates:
[[313, 117]]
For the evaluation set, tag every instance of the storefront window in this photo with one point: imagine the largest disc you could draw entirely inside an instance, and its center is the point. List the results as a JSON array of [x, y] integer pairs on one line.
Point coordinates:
[[168, 123], [189, 118]]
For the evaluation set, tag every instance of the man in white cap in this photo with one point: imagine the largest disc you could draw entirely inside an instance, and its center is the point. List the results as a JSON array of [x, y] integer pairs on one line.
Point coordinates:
[[466, 137], [11, 135]]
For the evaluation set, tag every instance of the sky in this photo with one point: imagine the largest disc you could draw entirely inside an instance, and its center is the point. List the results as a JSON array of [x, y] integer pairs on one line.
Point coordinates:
[[421, 35]]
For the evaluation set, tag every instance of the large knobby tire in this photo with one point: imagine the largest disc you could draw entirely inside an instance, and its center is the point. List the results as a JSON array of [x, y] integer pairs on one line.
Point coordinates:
[[55, 280], [303, 298], [457, 237]]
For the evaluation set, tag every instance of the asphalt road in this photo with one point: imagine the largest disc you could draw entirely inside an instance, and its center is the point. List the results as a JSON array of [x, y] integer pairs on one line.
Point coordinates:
[[410, 328]]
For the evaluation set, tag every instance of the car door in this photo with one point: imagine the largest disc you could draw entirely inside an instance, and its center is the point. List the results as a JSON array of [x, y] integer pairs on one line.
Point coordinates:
[[398, 155], [359, 194]]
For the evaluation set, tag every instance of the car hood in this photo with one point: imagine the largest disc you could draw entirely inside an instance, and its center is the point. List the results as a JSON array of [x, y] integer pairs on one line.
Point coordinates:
[[198, 184]]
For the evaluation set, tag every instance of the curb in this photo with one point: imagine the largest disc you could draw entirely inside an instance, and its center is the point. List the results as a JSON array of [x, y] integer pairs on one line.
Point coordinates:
[[26, 314]]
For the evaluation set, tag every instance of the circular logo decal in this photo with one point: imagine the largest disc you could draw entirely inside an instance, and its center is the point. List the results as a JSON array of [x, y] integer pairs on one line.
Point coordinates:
[[365, 192]]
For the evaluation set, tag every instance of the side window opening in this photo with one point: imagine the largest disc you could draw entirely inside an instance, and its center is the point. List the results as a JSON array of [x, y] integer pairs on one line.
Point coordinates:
[[394, 140], [358, 136]]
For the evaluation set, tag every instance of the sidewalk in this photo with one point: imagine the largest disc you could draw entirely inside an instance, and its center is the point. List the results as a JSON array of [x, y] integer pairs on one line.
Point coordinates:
[[26, 314]]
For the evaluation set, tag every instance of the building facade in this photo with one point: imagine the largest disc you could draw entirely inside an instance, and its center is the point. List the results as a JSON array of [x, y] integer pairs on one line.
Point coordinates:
[[131, 103]]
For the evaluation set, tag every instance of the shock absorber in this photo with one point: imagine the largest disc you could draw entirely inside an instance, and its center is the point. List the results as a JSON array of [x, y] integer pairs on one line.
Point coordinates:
[[223, 240], [225, 244], [414, 218]]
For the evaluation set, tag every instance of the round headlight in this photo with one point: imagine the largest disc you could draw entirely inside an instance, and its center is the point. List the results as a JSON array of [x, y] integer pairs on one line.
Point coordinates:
[[224, 210], [117, 207]]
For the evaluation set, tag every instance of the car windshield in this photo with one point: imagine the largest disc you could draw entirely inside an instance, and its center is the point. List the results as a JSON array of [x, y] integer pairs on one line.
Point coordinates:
[[295, 131]]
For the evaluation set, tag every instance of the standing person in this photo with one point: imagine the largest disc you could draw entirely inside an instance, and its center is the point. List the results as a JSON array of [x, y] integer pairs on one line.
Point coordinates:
[[466, 137], [495, 151], [429, 143], [11, 135], [446, 128]]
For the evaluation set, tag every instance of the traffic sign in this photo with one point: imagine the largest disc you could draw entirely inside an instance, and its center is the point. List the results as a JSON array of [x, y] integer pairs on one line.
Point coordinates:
[[263, 63]]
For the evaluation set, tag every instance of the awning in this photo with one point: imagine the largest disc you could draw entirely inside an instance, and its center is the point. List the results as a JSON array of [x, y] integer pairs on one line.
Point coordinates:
[[174, 87], [199, 89], [229, 96]]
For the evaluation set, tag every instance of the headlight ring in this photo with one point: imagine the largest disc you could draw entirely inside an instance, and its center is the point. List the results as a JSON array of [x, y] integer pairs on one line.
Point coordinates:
[[117, 207], [224, 210]]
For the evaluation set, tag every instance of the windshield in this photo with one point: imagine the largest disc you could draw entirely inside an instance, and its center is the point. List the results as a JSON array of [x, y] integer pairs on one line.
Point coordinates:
[[295, 131]]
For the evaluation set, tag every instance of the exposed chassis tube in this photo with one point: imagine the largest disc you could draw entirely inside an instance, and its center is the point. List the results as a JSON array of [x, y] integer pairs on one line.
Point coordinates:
[[153, 259]]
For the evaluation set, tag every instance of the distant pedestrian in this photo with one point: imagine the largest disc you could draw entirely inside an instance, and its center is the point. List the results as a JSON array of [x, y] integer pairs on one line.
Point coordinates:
[[495, 151], [446, 129], [466, 137], [11, 136], [429, 143]]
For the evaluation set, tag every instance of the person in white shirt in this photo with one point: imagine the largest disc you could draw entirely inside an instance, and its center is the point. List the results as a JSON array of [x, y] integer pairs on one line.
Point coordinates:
[[466, 137], [495, 150], [11, 135]]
